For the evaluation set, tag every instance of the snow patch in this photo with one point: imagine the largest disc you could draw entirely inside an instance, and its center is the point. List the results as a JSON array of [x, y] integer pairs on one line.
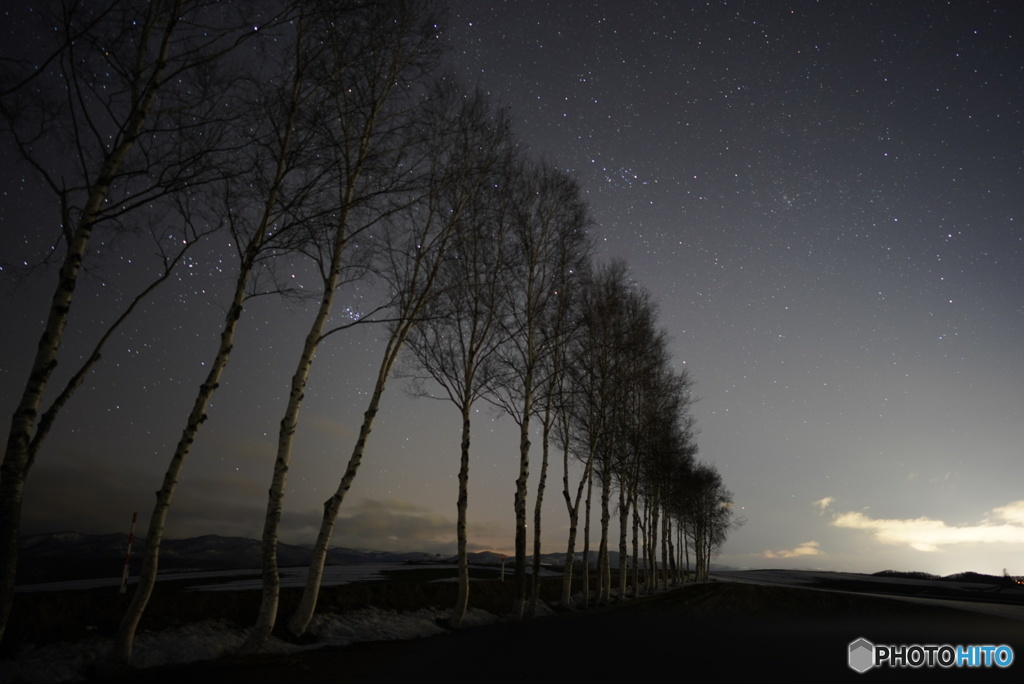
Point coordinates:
[[70, 662]]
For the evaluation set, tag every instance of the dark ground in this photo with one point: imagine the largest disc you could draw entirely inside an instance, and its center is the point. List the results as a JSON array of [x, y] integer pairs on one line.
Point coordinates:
[[700, 631]]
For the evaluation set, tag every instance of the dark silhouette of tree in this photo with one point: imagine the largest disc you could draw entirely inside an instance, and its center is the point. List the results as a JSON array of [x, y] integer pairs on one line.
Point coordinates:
[[122, 115], [372, 59], [548, 245], [456, 344], [600, 380], [267, 204], [707, 510], [464, 145]]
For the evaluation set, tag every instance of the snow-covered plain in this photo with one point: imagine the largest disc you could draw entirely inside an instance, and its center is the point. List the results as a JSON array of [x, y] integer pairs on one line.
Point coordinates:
[[69, 662]]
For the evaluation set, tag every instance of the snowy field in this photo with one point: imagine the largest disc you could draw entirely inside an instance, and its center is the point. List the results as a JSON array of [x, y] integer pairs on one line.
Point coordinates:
[[243, 579], [69, 662], [236, 580]]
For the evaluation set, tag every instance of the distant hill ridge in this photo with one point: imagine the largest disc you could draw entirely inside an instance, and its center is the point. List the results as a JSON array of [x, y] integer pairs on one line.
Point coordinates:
[[63, 556]]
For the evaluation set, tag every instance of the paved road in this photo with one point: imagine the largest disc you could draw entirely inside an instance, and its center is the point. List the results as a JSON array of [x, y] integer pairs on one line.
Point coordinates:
[[888, 588]]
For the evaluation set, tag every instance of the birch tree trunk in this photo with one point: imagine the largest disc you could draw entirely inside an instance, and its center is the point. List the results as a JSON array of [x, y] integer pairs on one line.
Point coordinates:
[[623, 541], [541, 482], [267, 616], [299, 621], [636, 545], [18, 459], [664, 552], [120, 654], [603, 560], [121, 649], [519, 605], [462, 600], [586, 542], [573, 507]]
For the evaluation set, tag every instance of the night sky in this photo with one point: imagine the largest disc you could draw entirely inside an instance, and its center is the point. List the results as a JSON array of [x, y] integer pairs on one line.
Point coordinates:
[[825, 198]]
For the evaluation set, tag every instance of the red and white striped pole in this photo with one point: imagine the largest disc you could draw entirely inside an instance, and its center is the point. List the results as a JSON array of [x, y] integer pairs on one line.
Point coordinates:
[[128, 554]]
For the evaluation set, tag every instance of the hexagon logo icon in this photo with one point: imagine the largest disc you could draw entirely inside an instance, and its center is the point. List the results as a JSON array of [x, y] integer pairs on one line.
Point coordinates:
[[861, 655]]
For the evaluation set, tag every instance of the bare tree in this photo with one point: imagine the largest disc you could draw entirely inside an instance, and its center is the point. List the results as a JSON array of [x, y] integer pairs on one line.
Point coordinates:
[[549, 242], [555, 247], [620, 356], [110, 122], [664, 438], [590, 411], [607, 384], [646, 353], [266, 203], [572, 503], [456, 344], [463, 145], [708, 509], [560, 333], [376, 55]]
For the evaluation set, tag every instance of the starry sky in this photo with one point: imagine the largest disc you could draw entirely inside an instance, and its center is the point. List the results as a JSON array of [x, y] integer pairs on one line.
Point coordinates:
[[825, 198]]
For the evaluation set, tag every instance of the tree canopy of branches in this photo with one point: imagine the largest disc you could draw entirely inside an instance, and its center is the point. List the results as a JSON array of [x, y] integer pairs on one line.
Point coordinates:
[[464, 146], [124, 112], [705, 509], [549, 247], [322, 135], [372, 60]]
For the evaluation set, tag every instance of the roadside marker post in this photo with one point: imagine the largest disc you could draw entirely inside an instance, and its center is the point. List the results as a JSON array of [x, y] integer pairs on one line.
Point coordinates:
[[128, 554]]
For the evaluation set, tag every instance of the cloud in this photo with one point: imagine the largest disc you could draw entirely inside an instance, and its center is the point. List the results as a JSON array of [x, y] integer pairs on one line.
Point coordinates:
[[1012, 513], [823, 504], [397, 525], [806, 549], [226, 502], [926, 534]]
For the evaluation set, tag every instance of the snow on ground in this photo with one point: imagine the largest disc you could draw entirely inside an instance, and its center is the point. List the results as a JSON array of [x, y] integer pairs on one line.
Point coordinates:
[[237, 580], [68, 662]]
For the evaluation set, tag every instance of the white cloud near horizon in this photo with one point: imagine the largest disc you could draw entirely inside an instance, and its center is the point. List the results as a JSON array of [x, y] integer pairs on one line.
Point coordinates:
[[398, 525], [823, 504], [1006, 526], [810, 548]]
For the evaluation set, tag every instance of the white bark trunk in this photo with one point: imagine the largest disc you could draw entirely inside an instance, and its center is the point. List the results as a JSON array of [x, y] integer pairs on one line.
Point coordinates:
[[603, 561], [573, 508], [17, 454], [267, 616], [519, 502], [623, 542], [122, 647], [462, 600], [586, 541], [299, 621], [541, 482]]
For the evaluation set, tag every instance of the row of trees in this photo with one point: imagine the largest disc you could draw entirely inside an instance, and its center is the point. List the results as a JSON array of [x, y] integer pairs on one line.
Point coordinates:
[[323, 132]]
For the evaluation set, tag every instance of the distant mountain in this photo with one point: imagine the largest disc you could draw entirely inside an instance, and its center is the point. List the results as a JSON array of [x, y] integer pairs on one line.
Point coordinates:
[[62, 556]]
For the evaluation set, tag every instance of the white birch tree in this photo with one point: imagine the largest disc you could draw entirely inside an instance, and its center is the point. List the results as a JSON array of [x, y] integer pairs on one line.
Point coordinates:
[[261, 204], [456, 344], [464, 144], [549, 244], [111, 121], [372, 58]]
